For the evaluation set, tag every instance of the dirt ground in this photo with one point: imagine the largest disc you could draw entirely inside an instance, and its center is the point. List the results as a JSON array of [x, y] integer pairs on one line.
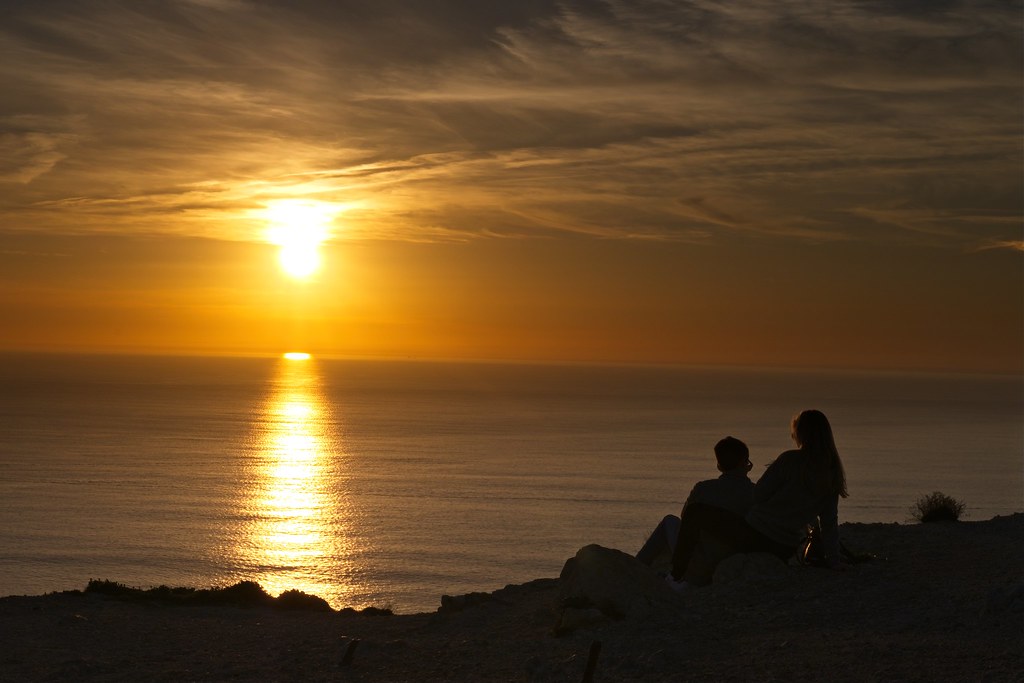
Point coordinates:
[[942, 602]]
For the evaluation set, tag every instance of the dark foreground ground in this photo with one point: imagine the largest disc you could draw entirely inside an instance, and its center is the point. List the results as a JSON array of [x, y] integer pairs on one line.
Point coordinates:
[[942, 602]]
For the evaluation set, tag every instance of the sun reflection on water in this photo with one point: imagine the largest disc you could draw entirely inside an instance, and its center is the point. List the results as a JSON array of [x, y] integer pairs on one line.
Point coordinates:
[[298, 534]]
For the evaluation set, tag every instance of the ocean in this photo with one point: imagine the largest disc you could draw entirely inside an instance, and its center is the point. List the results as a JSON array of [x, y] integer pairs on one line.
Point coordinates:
[[392, 483]]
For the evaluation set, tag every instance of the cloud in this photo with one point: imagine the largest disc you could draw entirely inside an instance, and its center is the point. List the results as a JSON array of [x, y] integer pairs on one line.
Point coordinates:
[[26, 156], [1012, 245], [680, 121]]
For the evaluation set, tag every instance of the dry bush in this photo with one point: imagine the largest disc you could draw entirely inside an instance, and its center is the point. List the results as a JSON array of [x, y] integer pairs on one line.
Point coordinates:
[[937, 507]]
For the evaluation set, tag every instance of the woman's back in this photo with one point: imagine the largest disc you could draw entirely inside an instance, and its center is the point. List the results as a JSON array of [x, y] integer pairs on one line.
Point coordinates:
[[787, 499]]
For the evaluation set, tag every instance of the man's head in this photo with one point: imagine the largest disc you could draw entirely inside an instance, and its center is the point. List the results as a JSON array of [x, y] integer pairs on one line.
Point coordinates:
[[732, 454]]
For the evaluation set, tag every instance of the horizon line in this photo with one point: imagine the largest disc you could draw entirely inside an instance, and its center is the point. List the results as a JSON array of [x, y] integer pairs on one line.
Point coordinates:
[[625, 363]]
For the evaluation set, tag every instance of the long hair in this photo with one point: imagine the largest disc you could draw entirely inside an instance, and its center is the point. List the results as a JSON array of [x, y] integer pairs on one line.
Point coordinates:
[[823, 469]]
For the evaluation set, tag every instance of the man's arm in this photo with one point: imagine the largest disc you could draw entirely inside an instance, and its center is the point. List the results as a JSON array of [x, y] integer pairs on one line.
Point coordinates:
[[695, 497]]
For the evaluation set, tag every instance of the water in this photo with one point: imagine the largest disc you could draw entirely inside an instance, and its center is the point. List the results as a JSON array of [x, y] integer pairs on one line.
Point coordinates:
[[390, 483]]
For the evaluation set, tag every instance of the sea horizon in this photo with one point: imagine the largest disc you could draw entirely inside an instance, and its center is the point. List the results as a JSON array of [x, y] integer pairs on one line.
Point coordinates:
[[678, 365]]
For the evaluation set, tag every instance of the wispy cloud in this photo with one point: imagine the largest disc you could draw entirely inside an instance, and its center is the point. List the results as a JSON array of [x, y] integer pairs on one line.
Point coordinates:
[[1012, 245], [26, 156], [683, 121]]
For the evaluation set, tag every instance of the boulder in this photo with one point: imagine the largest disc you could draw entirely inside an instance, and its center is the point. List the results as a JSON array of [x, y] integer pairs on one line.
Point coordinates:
[[457, 603], [616, 584]]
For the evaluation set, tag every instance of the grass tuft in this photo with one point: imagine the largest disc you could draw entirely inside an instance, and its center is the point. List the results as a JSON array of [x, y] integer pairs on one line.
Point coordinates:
[[937, 507]]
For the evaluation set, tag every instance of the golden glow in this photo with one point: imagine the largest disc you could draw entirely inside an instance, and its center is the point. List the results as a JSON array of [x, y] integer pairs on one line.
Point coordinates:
[[299, 227], [299, 536], [297, 355]]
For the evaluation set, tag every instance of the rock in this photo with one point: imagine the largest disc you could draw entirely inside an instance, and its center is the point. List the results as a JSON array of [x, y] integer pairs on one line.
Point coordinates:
[[616, 584], [457, 603], [749, 567]]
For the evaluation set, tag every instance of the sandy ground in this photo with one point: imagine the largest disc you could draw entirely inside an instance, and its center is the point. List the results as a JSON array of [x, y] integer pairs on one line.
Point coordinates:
[[943, 602]]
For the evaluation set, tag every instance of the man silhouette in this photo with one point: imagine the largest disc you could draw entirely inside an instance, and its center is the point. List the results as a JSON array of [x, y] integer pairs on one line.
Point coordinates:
[[731, 491]]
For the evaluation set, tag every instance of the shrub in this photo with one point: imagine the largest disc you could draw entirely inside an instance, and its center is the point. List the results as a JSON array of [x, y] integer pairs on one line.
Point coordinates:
[[937, 507], [297, 600], [104, 587]]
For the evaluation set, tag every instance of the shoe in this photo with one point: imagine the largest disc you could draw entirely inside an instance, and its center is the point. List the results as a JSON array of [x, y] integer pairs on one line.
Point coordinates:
[[678, 586]]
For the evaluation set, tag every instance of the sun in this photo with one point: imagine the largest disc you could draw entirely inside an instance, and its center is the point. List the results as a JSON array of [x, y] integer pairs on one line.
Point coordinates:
[[299, 227]]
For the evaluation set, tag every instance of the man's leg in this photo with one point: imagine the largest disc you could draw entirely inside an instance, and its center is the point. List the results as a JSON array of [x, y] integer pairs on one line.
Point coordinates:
[[661, 542], [714, 521]]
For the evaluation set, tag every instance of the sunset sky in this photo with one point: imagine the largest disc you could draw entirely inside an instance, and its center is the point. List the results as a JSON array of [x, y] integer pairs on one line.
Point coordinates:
[[813, 184]]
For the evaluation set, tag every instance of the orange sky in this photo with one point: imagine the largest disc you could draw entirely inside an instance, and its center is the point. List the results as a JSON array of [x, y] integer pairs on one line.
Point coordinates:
[[768, 183]]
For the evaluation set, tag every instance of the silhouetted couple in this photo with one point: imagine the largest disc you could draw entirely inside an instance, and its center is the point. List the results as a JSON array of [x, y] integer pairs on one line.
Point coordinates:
[[731, 514]]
